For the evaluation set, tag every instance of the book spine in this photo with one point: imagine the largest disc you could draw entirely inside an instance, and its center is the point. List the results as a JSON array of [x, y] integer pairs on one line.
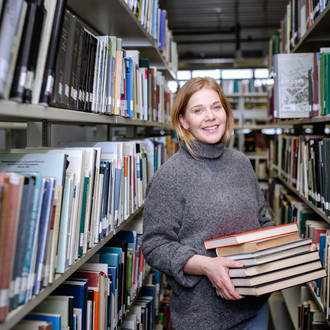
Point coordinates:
[[48, 76]]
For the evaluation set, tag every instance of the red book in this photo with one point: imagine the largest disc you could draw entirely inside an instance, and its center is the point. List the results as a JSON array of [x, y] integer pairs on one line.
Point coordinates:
[[12, 191]]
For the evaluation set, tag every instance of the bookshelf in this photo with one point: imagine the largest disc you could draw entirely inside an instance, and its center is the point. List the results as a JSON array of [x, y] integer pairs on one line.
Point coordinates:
[[307, 36], [103, 18]]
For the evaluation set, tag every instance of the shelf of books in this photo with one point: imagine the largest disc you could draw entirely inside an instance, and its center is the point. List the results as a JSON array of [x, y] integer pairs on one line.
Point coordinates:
[[299, 159], [70, 223]]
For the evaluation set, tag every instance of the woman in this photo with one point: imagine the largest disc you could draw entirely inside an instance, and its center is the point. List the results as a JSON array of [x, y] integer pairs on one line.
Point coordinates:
[[202, 192]]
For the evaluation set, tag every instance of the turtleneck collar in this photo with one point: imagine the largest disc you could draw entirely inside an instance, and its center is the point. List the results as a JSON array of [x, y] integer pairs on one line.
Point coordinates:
[[204, 150]]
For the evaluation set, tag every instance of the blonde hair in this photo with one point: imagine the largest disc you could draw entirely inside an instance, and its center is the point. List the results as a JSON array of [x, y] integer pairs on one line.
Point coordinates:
[[180, 104]]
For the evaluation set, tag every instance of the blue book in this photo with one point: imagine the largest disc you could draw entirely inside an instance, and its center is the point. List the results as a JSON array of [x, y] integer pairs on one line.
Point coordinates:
[[113, 297], [44, 228], [129, 86], [54, 319], [162, 29], [31, 237], [113, 258], [77, 288]]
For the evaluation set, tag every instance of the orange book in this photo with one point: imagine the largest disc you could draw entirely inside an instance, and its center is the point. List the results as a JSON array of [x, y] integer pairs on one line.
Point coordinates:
[[257, 245], [251, 236]]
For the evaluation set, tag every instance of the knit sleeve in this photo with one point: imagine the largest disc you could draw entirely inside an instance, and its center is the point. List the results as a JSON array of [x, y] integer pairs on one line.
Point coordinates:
[[162, 217], [262, 207]]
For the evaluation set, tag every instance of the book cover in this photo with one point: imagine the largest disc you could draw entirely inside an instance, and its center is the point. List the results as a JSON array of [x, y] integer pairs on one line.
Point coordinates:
[[277, 275], [59, 65], [42, 96], [44, 238], [291, 89], [68, 61], [258, 245], [250, 260], [281, 284], [251, 236], [270, 250], [308, 256], [27, 49], [28, 263]]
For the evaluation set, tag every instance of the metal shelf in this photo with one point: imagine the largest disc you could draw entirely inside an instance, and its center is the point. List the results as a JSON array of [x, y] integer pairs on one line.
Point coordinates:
[[16, 112]]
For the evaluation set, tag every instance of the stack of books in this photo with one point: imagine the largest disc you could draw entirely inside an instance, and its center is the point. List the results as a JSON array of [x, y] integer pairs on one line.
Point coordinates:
[[274, 258]]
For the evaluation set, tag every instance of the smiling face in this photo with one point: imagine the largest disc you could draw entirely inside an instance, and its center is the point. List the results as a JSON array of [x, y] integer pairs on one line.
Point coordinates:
[[205, 116]]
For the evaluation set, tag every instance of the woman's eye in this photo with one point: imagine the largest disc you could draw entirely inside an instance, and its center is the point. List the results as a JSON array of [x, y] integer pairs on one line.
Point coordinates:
[[197, 110]]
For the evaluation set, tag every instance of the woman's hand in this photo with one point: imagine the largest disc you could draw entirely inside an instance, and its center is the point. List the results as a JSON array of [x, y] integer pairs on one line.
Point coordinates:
[[216, 270]]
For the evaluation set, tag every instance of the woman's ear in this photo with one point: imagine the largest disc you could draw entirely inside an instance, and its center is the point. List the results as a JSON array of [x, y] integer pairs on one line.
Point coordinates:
[[183, 122]]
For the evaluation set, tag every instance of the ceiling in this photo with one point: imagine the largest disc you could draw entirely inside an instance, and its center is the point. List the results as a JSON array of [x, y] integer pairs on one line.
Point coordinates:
[[218, 33]]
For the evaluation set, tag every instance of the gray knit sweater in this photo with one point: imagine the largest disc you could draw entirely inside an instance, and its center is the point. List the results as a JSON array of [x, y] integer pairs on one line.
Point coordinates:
[[189, 201]]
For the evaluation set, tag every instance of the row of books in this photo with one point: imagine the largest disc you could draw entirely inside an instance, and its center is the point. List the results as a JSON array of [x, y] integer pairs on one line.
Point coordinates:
[[58, 203], [239, 86], [274, 258], [301, 84], [155, 22], [303, 162], [65, 64], [107, 291], [288, 208], [299, 17]]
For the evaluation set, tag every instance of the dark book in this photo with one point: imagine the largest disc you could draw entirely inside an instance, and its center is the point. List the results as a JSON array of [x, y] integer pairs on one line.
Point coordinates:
[[58, 90], [27, 53], [90, 73], [83, 70], [48, 76], [75, 66], [66, 83]]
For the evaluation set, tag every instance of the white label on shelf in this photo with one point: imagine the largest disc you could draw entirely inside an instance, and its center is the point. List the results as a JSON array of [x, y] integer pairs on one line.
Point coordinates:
[[29, 80], [326, 205], [17, 286], [24, 284], [49, 85], [4, 295], [289, 107], [12, 288], [22, 78], [82, 239], [66, 90]]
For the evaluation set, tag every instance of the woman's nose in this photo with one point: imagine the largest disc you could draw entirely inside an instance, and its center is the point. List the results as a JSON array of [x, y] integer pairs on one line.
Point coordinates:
[[209, 114]]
